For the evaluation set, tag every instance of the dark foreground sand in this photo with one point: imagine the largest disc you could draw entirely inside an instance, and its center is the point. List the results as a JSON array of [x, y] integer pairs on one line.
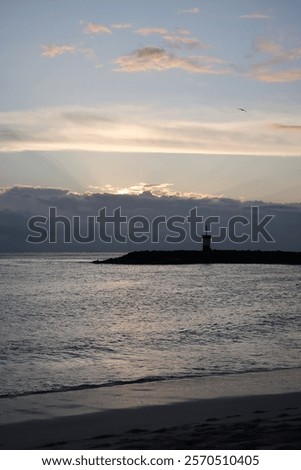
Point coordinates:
[[261, 422], [256, 421]]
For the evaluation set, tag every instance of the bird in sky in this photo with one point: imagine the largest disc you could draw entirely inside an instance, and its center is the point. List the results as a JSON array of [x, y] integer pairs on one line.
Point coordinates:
[[242, 109]]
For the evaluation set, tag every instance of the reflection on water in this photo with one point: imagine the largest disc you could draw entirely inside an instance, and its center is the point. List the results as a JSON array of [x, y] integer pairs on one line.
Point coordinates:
[[68, 323]]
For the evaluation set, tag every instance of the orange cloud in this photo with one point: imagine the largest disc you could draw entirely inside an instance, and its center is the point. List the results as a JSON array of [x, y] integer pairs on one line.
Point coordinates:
[[267, 71], [54, 50], [155, 58], [287, 127], [271, 76], [93, 28]]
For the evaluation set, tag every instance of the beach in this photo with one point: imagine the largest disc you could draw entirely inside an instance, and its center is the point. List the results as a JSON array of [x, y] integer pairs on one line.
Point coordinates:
[[251, 411]]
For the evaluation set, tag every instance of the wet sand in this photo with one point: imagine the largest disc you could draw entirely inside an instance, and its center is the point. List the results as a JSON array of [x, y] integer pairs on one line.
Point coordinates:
[[181, 414]]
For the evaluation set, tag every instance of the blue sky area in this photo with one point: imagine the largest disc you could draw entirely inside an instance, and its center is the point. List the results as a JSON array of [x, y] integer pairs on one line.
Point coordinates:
[[151, 77], [121, 96]]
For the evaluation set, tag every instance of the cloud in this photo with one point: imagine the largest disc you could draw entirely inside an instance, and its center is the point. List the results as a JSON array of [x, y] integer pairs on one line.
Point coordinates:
[[142, 129], [183, 32], [156, 58], [148, 31], [287, 127], [277, 51], [268, 70], [178, 41], [264, 74], [18, 204], [54, 50], [121, 26], [174, 40], [94, 28], [193, 11], [255, 16]]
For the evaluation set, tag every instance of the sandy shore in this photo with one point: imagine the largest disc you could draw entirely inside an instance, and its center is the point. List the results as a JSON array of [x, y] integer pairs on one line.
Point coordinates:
[[253, 421]]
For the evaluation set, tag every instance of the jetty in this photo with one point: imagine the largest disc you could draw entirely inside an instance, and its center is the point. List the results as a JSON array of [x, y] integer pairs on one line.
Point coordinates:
[[206, 257]]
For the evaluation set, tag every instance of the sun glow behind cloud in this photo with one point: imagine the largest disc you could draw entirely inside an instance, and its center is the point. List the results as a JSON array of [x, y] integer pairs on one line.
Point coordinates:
[[154, 189]]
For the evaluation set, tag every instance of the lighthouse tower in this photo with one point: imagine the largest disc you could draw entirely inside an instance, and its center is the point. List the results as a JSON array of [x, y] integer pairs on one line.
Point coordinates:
[[206, 241]]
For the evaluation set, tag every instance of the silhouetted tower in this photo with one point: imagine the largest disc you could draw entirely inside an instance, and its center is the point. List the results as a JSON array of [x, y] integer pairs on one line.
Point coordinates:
[[206, 241]]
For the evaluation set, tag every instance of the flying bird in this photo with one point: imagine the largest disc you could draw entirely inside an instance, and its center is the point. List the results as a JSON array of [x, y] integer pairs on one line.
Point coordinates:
[[242, 109]]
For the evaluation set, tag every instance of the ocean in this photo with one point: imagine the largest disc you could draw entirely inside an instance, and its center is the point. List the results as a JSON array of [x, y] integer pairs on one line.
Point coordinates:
[[67, 324]]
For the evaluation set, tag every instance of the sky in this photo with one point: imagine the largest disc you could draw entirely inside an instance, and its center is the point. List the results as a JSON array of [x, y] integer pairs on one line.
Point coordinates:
[[186, 99]]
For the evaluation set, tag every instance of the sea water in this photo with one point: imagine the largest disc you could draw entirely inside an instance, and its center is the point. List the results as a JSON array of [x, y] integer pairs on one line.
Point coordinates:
[[67, 324]]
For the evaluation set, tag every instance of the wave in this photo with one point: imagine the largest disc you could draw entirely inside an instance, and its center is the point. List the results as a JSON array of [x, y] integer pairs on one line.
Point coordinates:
[[141, 380]]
